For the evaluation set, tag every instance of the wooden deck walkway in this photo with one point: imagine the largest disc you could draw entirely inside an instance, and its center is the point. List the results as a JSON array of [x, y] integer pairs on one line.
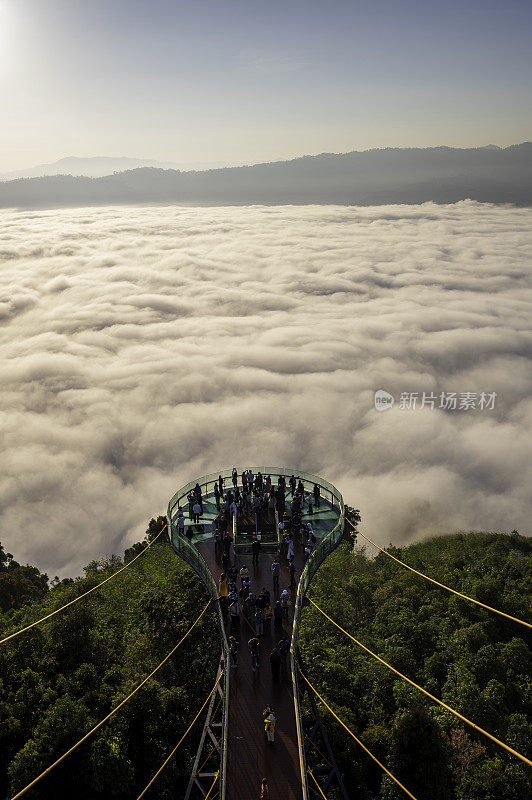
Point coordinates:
[[250, 758]]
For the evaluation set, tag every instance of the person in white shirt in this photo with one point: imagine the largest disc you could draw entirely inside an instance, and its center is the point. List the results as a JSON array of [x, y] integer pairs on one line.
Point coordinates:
[[196, 511], [290, 551]]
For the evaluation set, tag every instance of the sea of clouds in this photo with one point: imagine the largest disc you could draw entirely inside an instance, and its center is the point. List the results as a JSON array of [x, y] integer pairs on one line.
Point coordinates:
[[142, 347]]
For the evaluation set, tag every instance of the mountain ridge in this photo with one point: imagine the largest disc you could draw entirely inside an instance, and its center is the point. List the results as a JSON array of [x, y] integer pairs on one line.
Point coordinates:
[[399, 175]]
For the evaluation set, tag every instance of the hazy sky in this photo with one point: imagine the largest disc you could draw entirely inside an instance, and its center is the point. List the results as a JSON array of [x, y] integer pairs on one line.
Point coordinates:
[[241, 80]]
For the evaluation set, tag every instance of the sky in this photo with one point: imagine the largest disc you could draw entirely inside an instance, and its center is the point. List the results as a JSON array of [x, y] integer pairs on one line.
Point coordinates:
[[242, 81], [143, 347]]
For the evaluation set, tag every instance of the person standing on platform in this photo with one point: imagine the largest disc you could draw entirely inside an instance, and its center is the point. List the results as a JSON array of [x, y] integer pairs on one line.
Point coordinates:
[[275, 664], [292, 483], [278, 615], [317, 495], [254, 646], [244, 575], [196, 511], [276, 571], [234, 477], [181, 523], [255, 550], [217, 496], [221, 485]]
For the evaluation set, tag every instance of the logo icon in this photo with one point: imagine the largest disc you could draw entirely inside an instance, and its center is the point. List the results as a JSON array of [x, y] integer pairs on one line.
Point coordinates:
[[383, 400]]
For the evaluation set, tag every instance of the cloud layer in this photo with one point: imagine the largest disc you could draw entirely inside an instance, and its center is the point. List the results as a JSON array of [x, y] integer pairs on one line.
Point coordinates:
[[142, 347]]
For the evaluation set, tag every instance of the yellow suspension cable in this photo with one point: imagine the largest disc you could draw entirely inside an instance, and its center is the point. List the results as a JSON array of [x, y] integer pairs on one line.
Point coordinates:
[[316, 782], [363, 746], [212, 786], [77, 599], [428, 694], [99, 725], [313, 744], [165, 762], [441, 585]]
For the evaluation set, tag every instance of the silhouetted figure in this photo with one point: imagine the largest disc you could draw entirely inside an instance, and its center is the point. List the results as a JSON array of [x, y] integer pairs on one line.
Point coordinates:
[[275, 664]]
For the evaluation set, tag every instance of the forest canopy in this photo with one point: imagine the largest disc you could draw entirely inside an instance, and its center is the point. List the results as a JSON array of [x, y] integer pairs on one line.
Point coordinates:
[[59, 679], [475, 661]]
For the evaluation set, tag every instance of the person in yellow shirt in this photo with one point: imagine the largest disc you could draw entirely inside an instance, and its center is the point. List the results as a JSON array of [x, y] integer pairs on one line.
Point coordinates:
[[269, 726], [222, 585]]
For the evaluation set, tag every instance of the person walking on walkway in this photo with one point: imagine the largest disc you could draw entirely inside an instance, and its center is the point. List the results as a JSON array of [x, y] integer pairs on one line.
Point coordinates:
[[290, 550], [181, 523], [254, 646], [227, 542], [284, 602], [276, 571], [259, 621], [225, 561], [222, 585], [264, 790], [233, 650], [269, 727], [292, 574], [283, 645], [275, 664], [234, 477], [255, 550], [234, 613], [244, 575], [217, 496], [317, 495], [278, 615]]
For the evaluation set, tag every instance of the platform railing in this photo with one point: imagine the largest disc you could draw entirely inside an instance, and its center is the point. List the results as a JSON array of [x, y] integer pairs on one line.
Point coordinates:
[[206, 483], [317, 557]]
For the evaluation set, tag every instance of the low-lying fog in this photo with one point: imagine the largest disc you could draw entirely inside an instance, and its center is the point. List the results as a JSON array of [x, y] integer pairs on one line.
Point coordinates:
[[145, 346]]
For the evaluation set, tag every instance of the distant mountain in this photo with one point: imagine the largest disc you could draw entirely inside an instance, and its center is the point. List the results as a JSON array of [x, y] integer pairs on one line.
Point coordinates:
[[98, 167], [392, 175]]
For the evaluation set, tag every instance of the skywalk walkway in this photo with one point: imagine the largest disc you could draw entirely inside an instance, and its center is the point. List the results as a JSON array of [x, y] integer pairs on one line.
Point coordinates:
[[248, 756]]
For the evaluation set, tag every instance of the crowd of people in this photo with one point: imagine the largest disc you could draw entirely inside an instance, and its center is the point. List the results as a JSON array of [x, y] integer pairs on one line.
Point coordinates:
[[258, 493]]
